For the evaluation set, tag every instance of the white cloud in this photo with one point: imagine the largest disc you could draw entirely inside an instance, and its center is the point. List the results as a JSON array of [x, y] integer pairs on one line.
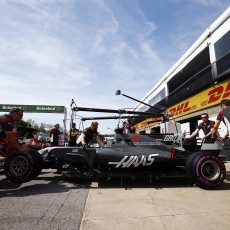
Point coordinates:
[[214, 3]]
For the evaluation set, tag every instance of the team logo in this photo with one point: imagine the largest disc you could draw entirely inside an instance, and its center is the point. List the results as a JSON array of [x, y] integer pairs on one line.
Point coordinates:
[[136, 161], [170, 138], [136, 138]]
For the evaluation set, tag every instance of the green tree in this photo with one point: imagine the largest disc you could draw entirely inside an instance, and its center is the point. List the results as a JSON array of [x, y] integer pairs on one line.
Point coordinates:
[[31, 124], [28, 123], [21, 123]]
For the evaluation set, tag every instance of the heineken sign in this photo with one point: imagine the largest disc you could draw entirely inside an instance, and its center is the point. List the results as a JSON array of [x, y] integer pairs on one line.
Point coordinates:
[[34, 108]]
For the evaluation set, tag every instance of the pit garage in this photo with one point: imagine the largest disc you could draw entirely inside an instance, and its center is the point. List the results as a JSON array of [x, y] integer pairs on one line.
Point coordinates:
[[196, 84]]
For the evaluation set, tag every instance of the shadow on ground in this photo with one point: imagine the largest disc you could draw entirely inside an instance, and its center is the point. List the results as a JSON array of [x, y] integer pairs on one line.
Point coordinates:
[[49, 182]]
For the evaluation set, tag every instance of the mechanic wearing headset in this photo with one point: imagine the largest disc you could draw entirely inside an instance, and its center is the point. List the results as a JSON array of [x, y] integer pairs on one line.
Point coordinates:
[[223, 115], [6, 129]]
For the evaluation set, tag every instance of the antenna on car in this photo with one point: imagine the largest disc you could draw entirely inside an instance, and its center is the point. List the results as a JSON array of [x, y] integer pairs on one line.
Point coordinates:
[[118, 92]]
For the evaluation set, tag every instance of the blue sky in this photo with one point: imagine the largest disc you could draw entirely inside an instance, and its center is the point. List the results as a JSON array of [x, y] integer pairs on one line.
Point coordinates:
[[53, 51]]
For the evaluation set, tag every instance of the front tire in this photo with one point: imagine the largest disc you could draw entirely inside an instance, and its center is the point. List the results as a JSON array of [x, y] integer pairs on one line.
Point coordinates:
[[38, 164], [18, 167]]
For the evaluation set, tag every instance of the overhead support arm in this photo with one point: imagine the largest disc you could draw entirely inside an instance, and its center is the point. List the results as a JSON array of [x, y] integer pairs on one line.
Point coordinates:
[[114, 118], [118, 92], [119, 111]]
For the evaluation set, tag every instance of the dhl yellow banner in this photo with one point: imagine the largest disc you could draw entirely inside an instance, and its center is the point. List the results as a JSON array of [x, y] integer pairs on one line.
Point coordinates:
[[205, 99]]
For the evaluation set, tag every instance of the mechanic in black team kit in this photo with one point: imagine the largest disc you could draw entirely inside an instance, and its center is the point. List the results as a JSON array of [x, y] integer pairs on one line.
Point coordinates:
[[223, 115], [54, 135], [206, 125], [88, 135], [6, 128]]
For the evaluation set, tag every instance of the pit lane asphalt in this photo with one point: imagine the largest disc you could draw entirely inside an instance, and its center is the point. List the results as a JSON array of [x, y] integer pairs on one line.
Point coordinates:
[[56, 202], [48, 202]]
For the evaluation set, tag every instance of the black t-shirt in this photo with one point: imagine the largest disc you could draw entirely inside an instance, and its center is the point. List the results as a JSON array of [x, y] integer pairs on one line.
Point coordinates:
[[89, 134], [55, 133], [206, 127], [224, 116], [220, 116], [224, 113], [227, 113], [6, 124], [119, 130], [130, 128]]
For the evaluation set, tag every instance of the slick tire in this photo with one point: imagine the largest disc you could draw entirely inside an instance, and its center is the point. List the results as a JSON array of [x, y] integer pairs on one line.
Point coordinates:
[[19, 167], [189, 166], [208, 171]]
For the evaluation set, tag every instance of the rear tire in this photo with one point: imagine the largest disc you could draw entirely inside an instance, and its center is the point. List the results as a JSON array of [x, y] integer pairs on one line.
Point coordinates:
[[206, 170], [189, 164]]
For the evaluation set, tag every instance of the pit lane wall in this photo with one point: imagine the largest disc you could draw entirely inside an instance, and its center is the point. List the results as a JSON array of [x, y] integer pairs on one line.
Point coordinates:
[[201, 101]]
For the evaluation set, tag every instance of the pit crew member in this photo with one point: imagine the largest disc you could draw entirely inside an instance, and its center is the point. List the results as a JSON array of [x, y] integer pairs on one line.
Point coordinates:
[[6, 129], [206, 125], [223, 115], [88, 135]]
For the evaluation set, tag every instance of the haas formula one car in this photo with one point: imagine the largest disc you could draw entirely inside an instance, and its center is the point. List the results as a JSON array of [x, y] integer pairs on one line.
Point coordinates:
[[134, 155], [142, 155], [127, 155]]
